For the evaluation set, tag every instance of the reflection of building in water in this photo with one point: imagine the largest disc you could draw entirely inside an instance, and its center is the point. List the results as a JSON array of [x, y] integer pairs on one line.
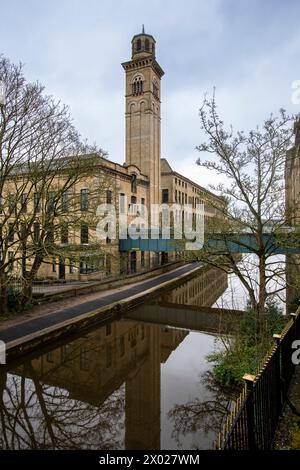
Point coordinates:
[[292, 281], [87, 381], [92, 368], [292, 206], [202, 290]]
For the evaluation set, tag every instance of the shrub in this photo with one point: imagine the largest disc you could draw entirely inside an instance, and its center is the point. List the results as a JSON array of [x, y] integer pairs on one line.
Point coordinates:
[[246, 350]]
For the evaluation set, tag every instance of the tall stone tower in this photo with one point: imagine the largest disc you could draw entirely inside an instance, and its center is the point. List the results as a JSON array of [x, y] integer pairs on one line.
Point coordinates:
[[143, 75]]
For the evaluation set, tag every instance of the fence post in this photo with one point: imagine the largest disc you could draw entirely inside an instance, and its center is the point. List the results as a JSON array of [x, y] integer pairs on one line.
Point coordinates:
[[278, 380], [249, 379]]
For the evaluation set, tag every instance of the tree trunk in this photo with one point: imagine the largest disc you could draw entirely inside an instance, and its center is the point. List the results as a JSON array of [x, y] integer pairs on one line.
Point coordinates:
[[28, 281], [3, 294], [26, 291], [261, 305]]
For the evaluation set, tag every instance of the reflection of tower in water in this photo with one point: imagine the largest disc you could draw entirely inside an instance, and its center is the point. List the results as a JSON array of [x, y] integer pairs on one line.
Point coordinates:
[[94, 368], [143, 398]]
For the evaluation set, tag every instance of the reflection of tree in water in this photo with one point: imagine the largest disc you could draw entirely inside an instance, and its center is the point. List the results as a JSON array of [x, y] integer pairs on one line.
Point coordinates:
[[206, 416], [39, 416]]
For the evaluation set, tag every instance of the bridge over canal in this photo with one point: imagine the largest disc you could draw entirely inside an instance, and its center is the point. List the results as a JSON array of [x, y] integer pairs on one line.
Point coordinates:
[[192, 317], [275, 244]]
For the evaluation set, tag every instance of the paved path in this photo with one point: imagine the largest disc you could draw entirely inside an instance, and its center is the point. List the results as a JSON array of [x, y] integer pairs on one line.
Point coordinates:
[[103, 299]]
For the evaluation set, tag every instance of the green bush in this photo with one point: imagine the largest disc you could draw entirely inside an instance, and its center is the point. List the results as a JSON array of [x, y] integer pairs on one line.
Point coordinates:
[[246, 350]]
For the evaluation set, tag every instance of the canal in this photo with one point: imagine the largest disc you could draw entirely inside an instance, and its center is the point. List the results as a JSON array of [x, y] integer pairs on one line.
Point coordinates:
[[141, 382]]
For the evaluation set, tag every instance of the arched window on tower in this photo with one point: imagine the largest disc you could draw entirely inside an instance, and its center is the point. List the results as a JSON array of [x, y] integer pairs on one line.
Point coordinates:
[[137, 86], [138, 45], [147, 45], [133, 183], [155, 89]]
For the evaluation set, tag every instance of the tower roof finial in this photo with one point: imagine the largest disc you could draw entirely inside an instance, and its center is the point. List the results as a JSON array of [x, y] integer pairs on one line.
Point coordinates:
[[143, 29]]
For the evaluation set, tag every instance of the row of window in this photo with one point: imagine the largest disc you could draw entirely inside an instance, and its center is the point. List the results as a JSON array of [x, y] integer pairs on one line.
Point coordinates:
[[146, 44], [132, 205], [86, 265], [183, 184], [138, 87], [180, 197], [51, 201], [180, 183], [64, 233]]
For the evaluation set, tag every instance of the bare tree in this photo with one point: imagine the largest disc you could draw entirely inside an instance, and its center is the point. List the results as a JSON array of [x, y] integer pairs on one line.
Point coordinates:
[[42, 161], [252, 169]]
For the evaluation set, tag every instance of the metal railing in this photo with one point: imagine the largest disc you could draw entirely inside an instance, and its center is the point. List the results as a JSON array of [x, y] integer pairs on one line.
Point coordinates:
[[254, 417]]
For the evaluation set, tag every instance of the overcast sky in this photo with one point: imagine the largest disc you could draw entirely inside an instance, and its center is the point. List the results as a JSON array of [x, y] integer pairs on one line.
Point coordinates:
[[248, 49]]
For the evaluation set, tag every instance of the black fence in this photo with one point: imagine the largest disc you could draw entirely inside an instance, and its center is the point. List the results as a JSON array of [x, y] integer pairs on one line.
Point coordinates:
[[254, 417]]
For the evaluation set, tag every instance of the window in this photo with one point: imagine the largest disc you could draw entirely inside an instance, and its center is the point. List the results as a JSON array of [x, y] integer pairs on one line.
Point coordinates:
[[11, 203], [133, 183], [84, 199], [137, 86], [11, 257], [108, 197], [72, 266], [50, 234], [122, 203], [84, 234], [138, 45], [54, 264], [64, 235], [143, 201], [51, 201], [37, 202], [165, 195], [50, 356], [147, 45], [65, 202], [65, 353], [36, 232], [11, 233], [175, 195], [142, 259], [24, 198], [108, 265], [133, 200], [84, 359]]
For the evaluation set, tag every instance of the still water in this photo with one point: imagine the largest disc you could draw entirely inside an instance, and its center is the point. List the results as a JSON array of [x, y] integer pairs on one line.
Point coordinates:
[[142, 382]]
